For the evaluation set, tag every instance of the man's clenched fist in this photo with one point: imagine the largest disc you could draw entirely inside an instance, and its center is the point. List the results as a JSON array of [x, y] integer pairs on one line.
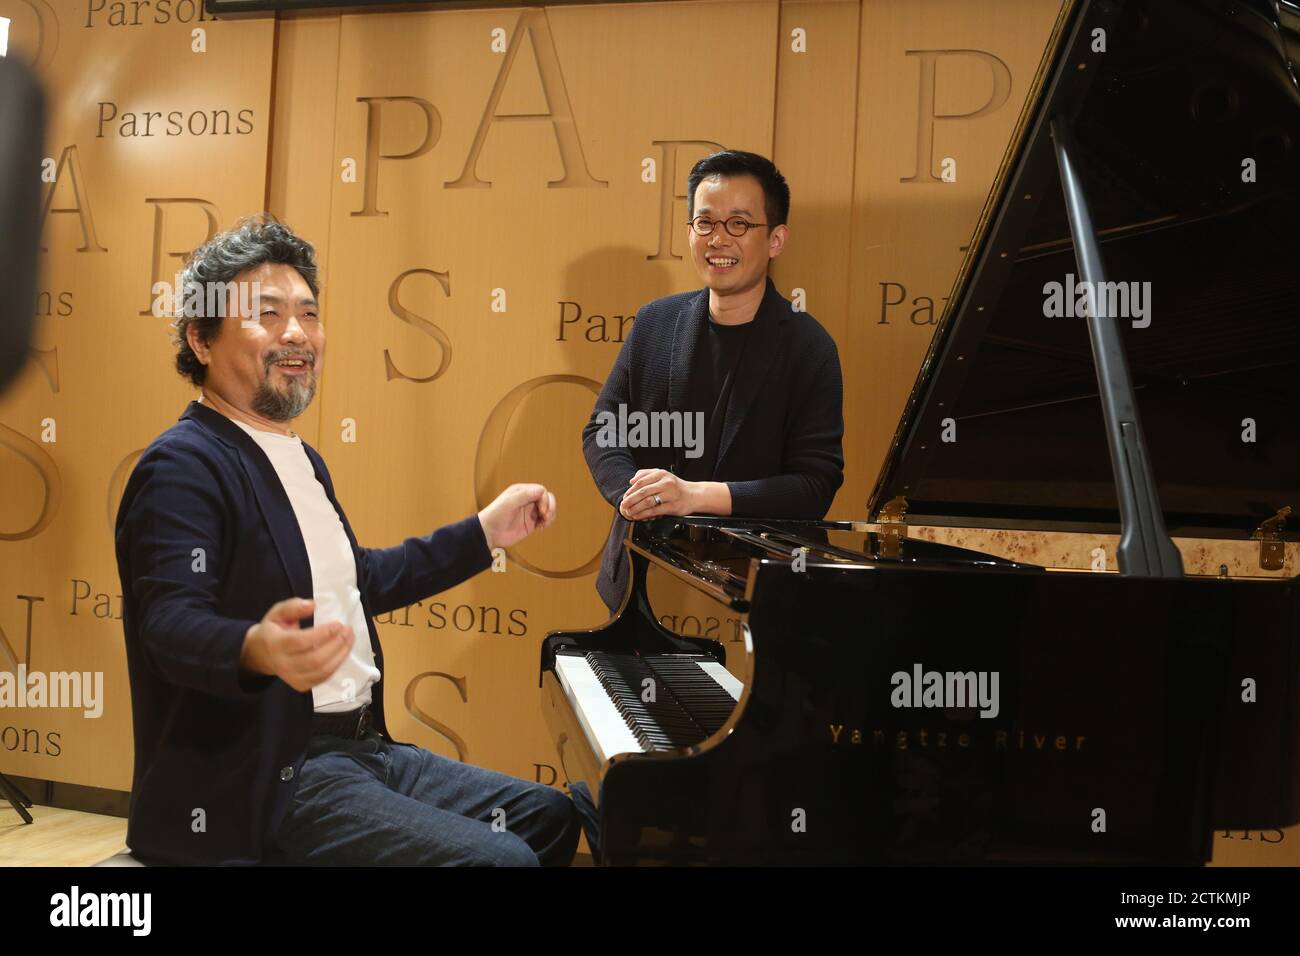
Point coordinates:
[[516, 513]]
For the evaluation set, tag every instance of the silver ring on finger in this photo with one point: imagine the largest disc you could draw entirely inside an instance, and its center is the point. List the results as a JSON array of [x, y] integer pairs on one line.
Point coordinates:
[[658, 501]]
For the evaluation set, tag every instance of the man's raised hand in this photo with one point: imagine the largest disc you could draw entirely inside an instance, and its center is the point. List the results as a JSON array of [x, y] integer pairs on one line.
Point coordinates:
[[516, 513]]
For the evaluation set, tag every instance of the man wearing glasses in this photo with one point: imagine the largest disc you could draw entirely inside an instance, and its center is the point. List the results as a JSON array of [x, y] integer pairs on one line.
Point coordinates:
[[762, 378]]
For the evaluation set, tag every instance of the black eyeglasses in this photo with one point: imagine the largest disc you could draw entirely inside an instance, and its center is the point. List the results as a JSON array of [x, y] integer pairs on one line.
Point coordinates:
[[736, 225]]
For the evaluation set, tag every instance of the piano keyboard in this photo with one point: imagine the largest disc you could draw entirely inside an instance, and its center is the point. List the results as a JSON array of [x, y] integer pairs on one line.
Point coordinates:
[[693, 697]]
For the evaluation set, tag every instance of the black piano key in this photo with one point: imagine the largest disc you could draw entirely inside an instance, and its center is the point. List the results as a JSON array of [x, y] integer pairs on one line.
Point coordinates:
[[689, 705]]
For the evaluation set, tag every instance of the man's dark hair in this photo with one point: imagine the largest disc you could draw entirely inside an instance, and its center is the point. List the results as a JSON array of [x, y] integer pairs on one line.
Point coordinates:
[[733, 162], [253, 241]]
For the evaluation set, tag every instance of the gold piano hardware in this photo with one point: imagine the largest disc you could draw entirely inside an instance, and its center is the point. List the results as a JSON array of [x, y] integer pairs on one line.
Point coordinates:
[[893, 527], [1272, 549]]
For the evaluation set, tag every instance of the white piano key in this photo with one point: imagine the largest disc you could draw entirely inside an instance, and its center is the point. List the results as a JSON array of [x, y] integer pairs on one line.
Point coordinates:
[[606, 729], [723, 677]]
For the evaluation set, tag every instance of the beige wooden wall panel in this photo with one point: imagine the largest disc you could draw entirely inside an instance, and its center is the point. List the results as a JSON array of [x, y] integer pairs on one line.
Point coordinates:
[[302, 167], [142, 189], [816, 122], [943, 79]]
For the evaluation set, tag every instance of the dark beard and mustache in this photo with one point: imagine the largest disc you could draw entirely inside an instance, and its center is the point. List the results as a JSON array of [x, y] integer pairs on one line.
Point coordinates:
[[284, 406]]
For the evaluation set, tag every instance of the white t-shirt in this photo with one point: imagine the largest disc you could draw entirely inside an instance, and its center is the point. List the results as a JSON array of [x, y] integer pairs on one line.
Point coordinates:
[[333, 569]]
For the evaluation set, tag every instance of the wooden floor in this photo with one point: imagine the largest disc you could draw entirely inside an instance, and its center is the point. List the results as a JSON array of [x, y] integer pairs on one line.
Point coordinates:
[[58, 837], [72, 838]]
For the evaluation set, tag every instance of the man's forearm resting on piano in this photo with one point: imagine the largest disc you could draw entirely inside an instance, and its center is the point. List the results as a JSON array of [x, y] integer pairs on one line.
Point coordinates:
[[799, 495], [676, 496]]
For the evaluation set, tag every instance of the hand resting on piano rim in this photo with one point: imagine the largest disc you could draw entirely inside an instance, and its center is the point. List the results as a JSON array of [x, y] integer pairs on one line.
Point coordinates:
[[654, 492]]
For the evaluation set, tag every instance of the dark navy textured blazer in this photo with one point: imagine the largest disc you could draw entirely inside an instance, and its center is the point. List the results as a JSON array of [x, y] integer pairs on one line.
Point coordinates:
[[207, 542], [780, 447]]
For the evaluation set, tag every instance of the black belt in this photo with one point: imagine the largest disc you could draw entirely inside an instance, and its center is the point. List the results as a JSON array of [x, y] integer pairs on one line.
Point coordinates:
[[349, 724]]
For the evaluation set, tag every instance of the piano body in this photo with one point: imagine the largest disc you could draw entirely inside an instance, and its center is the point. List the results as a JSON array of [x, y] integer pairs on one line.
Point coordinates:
[[911, 702]]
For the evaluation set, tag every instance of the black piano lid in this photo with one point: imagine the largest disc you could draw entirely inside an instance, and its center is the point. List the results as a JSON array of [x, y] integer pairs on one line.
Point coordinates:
[[1163, 120]]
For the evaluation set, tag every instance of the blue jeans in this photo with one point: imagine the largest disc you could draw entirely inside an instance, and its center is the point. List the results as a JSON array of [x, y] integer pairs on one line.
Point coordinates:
[[371, 802]]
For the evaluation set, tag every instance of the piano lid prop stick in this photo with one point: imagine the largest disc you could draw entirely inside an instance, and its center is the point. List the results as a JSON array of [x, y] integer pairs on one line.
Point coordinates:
[[1145, 548]]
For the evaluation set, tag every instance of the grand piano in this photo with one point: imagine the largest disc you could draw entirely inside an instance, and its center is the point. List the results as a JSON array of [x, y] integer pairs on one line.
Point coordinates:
[[909, 702]]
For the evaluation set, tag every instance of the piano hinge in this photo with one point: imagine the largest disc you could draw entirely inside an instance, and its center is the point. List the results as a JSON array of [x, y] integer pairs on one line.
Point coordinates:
[[1272, 549], [893, 527]]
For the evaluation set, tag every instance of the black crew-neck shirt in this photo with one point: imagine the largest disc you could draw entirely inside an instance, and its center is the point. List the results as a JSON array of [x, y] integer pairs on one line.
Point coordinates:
[[713, 373]]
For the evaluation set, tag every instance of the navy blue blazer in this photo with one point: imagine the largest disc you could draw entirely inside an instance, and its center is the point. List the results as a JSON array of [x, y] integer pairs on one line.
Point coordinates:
[[206, 543], [780, 448]]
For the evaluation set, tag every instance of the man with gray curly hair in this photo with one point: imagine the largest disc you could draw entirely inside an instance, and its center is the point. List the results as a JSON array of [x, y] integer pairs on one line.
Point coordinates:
[[232, 269], [258, 714]]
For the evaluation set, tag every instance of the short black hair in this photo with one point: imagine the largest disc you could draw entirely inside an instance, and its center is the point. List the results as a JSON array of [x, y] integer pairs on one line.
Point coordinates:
[[253, 241], [734, 162]]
